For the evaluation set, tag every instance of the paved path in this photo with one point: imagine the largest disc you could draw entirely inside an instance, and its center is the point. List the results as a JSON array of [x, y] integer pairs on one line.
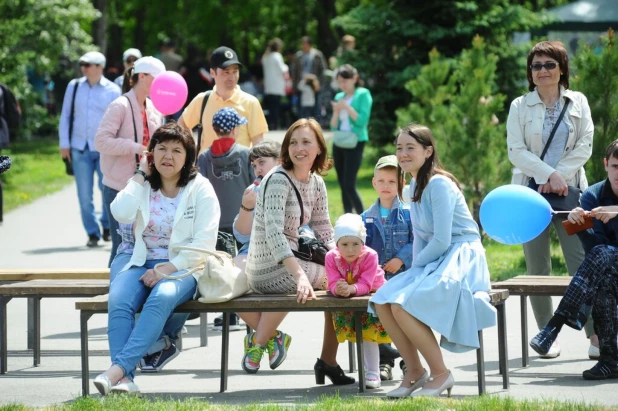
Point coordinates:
[[48, 233]]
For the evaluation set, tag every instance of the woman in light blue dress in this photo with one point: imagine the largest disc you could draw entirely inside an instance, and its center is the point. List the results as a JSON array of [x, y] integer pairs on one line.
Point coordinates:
[[446, 288]]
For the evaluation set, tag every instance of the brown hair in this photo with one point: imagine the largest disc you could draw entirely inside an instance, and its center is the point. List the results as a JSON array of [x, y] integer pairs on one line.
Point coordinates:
[[321, 163], [612, 150], [173, 132], [555, 50], [265, 149], [129, 80], [346, 71], [432, 166]]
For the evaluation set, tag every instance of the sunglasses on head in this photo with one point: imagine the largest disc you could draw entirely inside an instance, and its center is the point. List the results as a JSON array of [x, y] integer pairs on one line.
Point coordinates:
[[85, 64], [547, 66]]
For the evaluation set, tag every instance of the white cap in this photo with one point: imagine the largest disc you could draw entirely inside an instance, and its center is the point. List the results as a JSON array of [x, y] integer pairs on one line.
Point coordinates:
[[149, 65], [350, 225], [93, 57], [131, 53]]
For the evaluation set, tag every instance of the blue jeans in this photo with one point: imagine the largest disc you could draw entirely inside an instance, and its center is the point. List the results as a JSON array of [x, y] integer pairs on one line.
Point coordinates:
[[109, 194], [85, 164], [130, 339]]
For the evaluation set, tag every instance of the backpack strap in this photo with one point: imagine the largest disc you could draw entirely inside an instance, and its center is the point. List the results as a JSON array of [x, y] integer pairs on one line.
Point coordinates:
[[134, 129], [199, 125], [298, 197], [72, 117]]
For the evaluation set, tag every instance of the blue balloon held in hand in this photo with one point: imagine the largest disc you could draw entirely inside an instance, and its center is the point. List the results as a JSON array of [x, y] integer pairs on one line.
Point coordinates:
[[514, 214]]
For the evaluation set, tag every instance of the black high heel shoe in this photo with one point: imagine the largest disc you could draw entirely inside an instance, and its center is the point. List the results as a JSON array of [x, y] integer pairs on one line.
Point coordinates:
[[334, 374]]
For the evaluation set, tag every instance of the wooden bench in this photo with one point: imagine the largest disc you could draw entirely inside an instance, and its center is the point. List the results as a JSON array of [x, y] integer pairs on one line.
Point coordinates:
[[47, 274], [36, 290], [275, 302], [532, 285]]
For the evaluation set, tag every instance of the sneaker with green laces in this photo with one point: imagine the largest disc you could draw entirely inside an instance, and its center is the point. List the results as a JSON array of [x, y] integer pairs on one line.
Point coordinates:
[[253, 355], [277, 348]]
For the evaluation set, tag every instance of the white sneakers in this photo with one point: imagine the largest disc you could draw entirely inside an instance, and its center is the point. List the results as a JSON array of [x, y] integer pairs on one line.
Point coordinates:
[[553, 352]]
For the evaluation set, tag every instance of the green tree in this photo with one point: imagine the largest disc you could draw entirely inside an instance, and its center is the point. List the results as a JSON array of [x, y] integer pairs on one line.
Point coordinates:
[[35, 35], [458, 100], [597, 79], [394, 38]]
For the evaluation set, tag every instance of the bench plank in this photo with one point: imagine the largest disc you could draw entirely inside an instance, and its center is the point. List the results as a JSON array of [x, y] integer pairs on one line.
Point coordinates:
[[535, 285], [43, 288], [47, 274]]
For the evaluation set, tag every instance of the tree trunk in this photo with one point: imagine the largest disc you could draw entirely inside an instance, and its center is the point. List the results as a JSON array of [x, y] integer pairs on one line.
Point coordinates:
[[140, 35], [99, 26], [325, 11]]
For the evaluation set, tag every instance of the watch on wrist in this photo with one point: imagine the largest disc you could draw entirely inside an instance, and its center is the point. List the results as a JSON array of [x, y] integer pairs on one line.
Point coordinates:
[[138, 171]]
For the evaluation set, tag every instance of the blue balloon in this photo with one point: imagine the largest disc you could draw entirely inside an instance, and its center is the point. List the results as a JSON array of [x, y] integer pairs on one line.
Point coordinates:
[[514, 214]]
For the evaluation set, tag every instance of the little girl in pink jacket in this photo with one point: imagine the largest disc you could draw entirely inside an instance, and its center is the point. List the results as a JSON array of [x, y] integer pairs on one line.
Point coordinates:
[[352, 269]]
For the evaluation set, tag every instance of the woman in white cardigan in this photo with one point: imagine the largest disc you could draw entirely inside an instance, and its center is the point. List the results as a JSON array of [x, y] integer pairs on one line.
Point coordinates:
[[169, 205], [124, 132], [531, 120]]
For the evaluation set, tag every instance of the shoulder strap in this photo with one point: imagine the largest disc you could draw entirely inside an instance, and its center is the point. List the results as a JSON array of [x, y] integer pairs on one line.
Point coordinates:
[[553, 131], [199, 125], [72, 118], [298, 197], [134, 127]]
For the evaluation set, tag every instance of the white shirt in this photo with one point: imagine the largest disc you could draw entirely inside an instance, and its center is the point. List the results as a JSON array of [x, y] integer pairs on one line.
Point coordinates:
[[274, 69], [344, 117]]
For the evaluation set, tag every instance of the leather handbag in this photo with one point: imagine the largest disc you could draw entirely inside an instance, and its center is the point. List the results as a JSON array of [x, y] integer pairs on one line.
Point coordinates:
[[220, 280], [558, 202], [309, 247], [345, 139]]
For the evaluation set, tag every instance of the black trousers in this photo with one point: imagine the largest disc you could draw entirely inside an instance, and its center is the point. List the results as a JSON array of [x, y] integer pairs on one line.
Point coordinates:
[[347, 164], [272, 103]]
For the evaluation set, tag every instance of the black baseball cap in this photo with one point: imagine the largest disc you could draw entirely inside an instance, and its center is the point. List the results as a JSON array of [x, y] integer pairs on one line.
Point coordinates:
[[223, 57]]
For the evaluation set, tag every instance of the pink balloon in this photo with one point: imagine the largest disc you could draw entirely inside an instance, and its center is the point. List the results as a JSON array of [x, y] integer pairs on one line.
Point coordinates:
[[168, 92]]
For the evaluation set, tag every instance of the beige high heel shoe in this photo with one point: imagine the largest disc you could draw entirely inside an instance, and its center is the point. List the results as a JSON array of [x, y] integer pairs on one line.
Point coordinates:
[[435, 392], [402, 392]]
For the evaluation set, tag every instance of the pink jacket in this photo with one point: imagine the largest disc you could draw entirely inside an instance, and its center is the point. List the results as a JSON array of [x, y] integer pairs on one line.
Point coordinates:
[[115, 138], [365, 270]]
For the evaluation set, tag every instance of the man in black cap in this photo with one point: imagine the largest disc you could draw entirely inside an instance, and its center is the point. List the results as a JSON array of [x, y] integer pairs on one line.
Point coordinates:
[[225, 70]]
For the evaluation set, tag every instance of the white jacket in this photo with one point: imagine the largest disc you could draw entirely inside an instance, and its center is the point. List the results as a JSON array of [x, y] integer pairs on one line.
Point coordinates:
[[196, 222], [524, 130]]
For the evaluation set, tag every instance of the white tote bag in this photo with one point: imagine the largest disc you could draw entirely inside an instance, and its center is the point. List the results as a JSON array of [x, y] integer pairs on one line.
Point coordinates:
[[220, 280]]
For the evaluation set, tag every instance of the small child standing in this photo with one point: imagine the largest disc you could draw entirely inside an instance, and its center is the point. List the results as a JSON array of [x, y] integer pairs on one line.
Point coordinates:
[[389, 233], [226, 165], [352, 269]]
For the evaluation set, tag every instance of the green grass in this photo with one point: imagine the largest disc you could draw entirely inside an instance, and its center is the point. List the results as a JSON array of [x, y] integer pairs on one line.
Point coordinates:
[[325, 403], [37, 170]]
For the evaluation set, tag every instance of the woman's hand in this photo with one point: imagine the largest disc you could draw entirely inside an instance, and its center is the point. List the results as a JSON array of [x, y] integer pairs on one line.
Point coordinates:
[[578, 216], [304, 290], [145, 164], [249, 197], [150, 278], [558, 184], [599, 213]]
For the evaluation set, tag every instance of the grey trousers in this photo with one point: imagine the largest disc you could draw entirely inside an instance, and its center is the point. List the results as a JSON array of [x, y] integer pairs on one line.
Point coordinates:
[[538, 262]]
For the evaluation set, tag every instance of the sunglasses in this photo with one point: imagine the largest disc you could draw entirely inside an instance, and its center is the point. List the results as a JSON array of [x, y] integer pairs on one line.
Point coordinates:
[[130, 61], [546, 66], [85, 65]]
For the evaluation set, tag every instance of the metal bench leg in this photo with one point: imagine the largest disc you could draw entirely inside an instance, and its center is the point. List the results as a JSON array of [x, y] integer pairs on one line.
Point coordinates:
[[30, 310], [83, 333], [352, 356], [503, 351], [525, 360], [480, 364], [36, 347], [203, 329], [4, 353], [225, 347], [358, 318]]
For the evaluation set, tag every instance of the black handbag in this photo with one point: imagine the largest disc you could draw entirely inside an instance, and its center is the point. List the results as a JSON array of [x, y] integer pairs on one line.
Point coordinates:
[[558, 202], [68, 162], [309, 247]]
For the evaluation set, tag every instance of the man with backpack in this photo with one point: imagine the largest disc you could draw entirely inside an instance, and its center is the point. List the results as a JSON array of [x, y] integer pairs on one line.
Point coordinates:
[[85, 101]]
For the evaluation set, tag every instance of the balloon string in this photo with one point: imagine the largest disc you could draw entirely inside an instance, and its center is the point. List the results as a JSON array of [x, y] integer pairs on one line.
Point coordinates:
[[568, 212]]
